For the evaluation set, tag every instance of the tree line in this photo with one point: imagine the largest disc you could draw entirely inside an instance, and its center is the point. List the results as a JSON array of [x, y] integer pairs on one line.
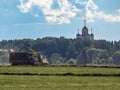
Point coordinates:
[[70, 51]]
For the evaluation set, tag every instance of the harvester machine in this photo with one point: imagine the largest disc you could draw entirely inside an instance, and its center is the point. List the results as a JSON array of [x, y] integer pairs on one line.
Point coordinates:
[[27, 56]]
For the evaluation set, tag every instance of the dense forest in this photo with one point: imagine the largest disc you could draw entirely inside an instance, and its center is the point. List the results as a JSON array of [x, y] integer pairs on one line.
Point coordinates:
[[70, 51]]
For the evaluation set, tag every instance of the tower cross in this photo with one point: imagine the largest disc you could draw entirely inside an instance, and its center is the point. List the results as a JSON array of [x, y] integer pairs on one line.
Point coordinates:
[[78, 30], [84, 22]]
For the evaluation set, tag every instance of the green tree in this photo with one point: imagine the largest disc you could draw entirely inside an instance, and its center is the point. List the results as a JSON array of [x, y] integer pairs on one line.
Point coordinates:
[[71, 52], [97, 56], [82, 58], [116, 58], [55, 58]]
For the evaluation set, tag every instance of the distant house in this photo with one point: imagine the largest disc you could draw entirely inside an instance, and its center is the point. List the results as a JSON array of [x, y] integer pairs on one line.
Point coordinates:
[[85, 35]]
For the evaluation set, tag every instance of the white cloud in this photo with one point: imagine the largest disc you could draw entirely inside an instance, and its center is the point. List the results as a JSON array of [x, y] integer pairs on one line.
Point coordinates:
[[81, 2], [108, 17], [63, 14], [90, 8], [118, 11], [91, 5], [36, 15], [93, 11], [64, 11]]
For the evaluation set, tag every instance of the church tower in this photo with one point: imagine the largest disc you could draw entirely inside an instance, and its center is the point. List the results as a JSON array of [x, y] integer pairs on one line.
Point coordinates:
[[84, 29], [85, 35], [78, 34]]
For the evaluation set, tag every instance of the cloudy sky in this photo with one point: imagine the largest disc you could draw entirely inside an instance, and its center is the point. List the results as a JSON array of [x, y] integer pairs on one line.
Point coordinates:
[[40, 18]]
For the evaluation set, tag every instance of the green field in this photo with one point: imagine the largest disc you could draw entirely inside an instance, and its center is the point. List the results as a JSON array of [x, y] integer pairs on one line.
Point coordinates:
[[59, 78]]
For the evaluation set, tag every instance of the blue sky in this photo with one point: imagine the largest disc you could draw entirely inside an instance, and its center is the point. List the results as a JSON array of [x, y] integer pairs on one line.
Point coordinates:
[[40, 18]]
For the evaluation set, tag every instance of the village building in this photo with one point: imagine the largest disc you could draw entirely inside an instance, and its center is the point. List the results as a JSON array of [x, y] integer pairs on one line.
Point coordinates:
[[85, 35]]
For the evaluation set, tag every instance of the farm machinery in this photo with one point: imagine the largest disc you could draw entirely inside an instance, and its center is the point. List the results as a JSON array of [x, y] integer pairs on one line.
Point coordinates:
[[27, 56]]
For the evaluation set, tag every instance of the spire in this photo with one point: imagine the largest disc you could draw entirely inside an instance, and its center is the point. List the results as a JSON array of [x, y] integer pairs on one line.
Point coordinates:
[[91, 30], [78, 35], [85, 23], [78, 30]]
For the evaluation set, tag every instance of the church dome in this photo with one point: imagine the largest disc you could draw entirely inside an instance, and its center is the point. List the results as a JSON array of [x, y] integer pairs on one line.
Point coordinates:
[[84, 29], [92, 34], [78, 34]]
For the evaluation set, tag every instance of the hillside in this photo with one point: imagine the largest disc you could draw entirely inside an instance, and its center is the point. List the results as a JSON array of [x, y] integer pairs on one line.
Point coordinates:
[[70, 51]]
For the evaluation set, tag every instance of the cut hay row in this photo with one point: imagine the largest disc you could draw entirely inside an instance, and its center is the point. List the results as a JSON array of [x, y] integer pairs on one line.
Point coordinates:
[[64, 74]]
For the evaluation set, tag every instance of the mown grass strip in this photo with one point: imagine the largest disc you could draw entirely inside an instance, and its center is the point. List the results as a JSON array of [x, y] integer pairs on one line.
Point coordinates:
[[64, 74], [94, 66]]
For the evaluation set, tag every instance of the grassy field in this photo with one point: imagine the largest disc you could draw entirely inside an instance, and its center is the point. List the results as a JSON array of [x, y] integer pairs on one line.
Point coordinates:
[[50, 81], [59, 70]]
